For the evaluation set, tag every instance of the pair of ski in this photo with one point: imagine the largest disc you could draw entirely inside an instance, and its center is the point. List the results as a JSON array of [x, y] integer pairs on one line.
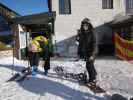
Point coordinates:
[[20, 76], [61, 72], [80, 77]]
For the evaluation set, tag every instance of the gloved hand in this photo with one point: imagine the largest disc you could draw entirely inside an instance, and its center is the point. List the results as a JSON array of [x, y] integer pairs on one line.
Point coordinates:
[[91, 58], [77, 43]]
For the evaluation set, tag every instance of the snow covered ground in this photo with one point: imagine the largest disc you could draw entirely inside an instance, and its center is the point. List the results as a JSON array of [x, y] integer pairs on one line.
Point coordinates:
[[115, 76]]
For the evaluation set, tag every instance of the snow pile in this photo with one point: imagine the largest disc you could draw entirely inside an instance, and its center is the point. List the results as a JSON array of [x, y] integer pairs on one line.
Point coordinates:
[[6, 53]]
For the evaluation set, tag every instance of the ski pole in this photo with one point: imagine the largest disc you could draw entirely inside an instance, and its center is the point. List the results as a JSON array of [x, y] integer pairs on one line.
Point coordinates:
[[13, 57]]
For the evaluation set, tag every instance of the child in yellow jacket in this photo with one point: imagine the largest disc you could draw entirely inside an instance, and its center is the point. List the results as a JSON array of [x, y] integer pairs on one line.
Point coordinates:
[[38, 44]]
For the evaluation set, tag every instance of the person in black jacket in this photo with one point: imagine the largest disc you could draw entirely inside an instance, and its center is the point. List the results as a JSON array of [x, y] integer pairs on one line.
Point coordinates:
[[87, 48]]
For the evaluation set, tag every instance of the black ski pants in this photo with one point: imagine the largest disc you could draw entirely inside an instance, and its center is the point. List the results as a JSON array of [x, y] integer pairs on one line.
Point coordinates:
[[47, 63], [91, 70], [34, 58]]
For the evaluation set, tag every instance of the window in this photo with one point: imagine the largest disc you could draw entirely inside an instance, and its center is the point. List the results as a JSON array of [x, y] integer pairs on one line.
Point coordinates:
[[107, 4], [64, 7], [129, 6]]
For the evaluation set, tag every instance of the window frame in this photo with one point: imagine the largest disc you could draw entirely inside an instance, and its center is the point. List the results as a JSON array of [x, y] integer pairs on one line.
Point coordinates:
[[107, 4], [129, 4], [129, 7], [64, 7]]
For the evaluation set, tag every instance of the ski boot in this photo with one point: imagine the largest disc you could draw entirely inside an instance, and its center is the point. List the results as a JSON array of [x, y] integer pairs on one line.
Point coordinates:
[[91, 84], [46, 72], [34, 70], [95, 88]]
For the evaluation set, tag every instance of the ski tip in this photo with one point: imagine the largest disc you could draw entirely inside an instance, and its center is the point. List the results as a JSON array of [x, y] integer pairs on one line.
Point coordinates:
[[8, 80], [108, 93], [13, 77]]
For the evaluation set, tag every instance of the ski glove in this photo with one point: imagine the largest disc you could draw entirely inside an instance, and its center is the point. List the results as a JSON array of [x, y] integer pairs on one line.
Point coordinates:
[[91, 58]]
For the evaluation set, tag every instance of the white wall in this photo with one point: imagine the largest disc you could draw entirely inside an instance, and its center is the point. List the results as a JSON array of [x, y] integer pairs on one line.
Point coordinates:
[[66, 25], [81, 9]]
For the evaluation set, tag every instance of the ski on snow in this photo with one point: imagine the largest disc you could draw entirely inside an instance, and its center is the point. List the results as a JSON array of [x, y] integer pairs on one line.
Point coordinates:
[[20, 76], [80, 77]]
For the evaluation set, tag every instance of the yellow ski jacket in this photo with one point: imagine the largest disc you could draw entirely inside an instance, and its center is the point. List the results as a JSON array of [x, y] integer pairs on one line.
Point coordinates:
[[35, 45]]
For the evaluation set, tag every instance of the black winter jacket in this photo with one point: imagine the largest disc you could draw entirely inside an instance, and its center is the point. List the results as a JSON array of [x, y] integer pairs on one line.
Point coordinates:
[[87, 43]]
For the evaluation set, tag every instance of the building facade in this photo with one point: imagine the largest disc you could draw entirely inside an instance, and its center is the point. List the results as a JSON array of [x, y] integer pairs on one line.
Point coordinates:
[[70, 13], [5, 15]]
